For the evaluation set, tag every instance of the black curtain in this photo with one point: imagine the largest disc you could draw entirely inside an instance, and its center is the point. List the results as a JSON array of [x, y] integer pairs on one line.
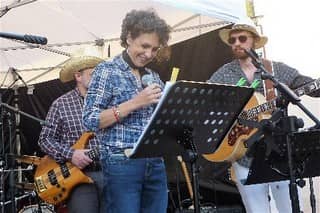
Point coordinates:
[[37, 103], [197, 58]]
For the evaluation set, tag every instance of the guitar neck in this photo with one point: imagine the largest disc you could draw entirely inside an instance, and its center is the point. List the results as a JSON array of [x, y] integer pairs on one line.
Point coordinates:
[[255, 111], [270, 105]]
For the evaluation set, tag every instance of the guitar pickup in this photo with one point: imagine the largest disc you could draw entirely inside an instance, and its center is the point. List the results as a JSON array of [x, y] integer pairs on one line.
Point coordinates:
[[65, 170], [52, 177]]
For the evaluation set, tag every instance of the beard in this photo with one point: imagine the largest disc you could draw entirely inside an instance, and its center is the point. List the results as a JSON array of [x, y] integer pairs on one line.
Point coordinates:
[[239, 54]]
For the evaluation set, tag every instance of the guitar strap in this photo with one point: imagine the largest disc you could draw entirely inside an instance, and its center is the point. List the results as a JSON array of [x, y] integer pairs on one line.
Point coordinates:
[[269, 90]]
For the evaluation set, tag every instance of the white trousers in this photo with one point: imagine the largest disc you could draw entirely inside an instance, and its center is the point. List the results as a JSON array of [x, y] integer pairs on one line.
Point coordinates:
[[256, 197]]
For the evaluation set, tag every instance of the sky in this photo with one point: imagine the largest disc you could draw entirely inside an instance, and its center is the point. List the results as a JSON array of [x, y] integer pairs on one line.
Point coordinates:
[[292, 28]]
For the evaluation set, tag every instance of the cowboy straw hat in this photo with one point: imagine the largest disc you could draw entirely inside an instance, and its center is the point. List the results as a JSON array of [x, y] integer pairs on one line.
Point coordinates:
[[76, 64], [260, 41]]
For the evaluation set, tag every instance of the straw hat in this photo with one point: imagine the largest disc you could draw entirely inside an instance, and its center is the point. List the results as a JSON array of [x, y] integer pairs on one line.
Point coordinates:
[[259, 42], [76, 64]]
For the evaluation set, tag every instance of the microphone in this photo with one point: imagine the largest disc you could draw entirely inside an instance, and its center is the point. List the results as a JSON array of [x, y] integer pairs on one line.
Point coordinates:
[[26, 38], [251, 53], [254, 56], [147, 80]]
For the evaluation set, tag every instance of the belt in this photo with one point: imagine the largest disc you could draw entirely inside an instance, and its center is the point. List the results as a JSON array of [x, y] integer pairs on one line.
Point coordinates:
[[93, 167]]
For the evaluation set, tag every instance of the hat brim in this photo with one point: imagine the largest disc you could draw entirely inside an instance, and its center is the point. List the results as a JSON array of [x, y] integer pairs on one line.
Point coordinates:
[[260, 41], [77, 64]]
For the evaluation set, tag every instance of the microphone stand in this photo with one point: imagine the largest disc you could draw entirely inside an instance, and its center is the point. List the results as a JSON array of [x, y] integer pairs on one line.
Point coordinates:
[[289, 123], [9, 159], [289, 95], [5, 162]]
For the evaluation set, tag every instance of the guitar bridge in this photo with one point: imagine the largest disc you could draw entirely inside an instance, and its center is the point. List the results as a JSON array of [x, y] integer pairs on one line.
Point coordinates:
[[40, 186]]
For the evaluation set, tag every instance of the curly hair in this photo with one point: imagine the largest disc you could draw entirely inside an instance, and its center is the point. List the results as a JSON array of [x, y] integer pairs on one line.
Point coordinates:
[[138, 22]]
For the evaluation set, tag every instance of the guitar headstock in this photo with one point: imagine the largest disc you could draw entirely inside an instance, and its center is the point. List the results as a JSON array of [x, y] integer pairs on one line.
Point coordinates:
[[308, 88]]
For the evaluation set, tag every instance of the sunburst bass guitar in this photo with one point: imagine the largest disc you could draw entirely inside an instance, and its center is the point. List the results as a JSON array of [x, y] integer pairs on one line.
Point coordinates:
[[233, 147], [54, 182]]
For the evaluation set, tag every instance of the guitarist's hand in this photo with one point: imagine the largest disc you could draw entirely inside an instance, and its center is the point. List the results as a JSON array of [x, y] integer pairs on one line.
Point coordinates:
[[80, 159]]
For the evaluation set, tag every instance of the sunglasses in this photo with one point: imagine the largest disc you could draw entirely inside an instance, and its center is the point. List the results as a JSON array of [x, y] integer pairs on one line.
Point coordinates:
[[241, 38]]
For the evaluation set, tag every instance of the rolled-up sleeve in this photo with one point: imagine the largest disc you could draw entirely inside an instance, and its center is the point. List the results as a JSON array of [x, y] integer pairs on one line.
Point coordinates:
[[97, 98]]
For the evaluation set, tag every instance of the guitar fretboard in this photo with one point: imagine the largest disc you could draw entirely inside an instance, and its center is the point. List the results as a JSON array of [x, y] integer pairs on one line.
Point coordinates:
[[270, 105], [255, 111]]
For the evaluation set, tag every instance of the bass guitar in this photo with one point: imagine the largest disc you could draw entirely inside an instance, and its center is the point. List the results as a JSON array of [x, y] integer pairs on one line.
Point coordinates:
[[53, 181]]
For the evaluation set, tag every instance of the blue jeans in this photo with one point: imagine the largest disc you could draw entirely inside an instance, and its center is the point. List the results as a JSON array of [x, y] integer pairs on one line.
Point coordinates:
[[134, 185]]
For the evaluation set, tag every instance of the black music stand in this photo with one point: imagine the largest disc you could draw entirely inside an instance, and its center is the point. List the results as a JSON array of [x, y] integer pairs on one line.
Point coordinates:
[[191, 118], [272, 165], [270, 162]]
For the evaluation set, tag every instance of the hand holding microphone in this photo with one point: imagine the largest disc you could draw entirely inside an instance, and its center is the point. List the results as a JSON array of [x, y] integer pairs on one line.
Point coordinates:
[[151, 93]]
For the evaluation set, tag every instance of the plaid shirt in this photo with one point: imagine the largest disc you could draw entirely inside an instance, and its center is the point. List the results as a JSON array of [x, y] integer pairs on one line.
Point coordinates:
[[231, 73], [113, 83], [65, 119]]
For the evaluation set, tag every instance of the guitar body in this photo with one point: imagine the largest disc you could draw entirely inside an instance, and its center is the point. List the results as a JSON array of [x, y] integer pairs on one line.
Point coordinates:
[[233, 147], [53, 181]]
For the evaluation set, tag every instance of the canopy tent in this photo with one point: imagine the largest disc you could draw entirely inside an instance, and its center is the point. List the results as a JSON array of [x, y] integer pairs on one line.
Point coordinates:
[[93, 28], [75, 27]]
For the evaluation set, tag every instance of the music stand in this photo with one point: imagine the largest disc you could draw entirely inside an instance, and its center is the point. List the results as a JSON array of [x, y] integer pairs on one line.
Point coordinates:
[[274, 166], [191, 118]]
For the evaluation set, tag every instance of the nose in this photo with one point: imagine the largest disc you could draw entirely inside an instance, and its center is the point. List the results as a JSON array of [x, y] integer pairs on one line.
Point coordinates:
[[237, 42], [149, 53]]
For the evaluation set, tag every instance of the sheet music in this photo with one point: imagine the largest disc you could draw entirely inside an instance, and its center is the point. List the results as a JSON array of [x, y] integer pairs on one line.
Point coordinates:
[[165, 92]]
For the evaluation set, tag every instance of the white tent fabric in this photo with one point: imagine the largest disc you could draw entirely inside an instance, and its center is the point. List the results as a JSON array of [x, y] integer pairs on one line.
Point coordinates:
[[76, 27], [230, 10]]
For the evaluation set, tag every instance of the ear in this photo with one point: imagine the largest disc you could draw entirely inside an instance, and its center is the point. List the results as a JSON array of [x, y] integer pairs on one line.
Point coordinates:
[[77, 75], [129, 39]]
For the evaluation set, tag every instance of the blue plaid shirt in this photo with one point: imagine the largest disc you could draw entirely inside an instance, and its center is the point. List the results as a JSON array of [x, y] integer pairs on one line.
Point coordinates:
[[65, 127], [113, 83]]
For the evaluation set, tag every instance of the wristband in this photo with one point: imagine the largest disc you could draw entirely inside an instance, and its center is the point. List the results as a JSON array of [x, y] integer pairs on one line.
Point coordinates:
[[116, 113]]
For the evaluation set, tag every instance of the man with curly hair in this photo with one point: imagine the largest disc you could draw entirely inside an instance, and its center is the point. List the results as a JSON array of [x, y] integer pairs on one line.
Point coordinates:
[[118, 107]]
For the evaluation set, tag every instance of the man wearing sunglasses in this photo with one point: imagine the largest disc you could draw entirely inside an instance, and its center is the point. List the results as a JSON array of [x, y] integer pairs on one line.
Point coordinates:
[[244, 37]]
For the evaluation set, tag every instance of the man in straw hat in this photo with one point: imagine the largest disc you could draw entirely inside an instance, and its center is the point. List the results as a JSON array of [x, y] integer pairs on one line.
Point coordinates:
[[241, 71], [65, 119]]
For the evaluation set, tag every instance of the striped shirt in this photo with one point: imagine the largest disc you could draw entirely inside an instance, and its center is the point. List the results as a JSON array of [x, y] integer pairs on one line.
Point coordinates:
[[65, 127], [113, 83]]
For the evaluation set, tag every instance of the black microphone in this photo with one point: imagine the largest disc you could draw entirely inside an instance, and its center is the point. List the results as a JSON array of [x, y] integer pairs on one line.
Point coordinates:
[[254, 56], [147, 80], [251, 53], [26, 38]]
